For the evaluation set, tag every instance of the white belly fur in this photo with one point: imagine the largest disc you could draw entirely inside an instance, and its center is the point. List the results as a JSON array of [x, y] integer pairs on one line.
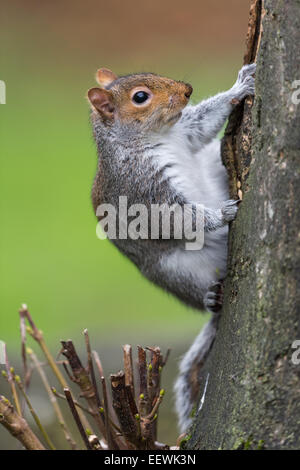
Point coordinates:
[[201, 178]]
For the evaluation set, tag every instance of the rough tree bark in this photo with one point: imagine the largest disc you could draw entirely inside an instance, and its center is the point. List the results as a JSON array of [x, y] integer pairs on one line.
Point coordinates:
[[253, 388]]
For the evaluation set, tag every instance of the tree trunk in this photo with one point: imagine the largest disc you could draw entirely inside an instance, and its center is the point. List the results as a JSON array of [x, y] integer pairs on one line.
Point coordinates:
[[252, 398]]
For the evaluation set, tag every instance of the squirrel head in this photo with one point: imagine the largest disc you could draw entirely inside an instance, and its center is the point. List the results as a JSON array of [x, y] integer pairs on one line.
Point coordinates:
[[143, 99]]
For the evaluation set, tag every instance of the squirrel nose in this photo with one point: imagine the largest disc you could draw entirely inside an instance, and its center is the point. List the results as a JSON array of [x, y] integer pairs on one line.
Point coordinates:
[[189, 90]]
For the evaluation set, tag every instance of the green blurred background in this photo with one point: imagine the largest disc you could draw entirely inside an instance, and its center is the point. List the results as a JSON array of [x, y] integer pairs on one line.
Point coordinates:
[[50, 255]]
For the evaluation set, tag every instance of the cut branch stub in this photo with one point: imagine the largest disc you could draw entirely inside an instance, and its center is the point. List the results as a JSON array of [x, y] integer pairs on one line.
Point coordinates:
[[82, 379], [128, 422], [128, 367]]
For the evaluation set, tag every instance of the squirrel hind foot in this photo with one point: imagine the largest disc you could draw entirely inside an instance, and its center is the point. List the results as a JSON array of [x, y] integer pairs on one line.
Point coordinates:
[[213, 299]]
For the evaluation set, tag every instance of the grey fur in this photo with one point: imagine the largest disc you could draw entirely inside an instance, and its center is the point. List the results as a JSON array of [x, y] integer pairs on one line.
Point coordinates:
[[196, 355], [176, 164]]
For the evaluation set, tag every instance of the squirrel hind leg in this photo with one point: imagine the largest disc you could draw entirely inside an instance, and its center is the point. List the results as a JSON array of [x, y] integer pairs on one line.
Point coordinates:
[[187, 385], [213, 299]]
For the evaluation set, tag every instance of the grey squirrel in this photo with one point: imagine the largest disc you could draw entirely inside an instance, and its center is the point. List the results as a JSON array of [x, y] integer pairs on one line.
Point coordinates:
[[154, 148]]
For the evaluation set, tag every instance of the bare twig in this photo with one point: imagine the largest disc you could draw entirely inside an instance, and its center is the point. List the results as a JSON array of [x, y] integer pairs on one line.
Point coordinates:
[[156, 405], [143, 392], [53, 400], [136, 416], [76, 403], [23, 349], [101, 374], [11, 382], [110, 441], [165, 359], [98, 363], [38, 337], [91, 367], [17, 426], [77, 419], [33, 413], [154, 373]]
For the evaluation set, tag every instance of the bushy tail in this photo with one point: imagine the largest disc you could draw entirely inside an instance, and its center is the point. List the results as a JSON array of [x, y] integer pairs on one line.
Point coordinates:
[[187, 384]]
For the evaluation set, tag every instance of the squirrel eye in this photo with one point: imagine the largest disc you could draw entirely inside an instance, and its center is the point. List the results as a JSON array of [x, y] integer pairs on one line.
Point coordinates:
[[140, 97]]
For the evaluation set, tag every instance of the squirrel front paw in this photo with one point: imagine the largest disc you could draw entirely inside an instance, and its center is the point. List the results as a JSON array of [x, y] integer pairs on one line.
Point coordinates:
[[245, 84], [229, 210]]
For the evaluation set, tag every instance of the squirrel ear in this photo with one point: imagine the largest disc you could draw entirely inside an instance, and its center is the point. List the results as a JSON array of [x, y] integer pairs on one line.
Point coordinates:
[[102, 101], [105, 76]]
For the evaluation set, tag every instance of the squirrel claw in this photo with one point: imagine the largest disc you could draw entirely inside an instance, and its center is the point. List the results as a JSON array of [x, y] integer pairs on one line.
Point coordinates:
[[229, 210], [213, 299], [245, 84]]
